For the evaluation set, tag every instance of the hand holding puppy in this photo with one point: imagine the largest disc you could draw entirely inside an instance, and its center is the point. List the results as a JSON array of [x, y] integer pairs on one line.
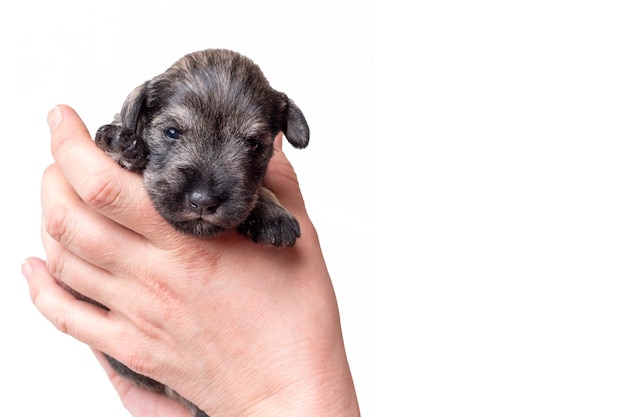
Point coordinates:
[[233, 330]]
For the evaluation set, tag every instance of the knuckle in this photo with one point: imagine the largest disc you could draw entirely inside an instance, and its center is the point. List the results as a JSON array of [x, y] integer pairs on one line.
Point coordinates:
[[140, 362], [151, 328], [103, 193], [55, 261], [58, 224], [63, 322]]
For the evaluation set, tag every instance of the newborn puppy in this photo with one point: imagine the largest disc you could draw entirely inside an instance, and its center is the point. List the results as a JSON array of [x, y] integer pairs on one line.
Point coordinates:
[[202, 135]]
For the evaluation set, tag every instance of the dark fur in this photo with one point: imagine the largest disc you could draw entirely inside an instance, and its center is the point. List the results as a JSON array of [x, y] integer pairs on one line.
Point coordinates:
[[202, 135]]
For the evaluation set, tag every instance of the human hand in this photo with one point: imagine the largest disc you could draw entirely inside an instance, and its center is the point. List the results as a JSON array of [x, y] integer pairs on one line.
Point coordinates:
[[234, 327]]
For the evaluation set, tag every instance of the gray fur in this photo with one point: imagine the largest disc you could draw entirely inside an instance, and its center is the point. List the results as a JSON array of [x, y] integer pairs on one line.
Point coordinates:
[[202, 135]]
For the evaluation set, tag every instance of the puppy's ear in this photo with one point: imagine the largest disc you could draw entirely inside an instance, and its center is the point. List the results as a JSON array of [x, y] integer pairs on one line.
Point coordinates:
[[131, 109], [295, 127]]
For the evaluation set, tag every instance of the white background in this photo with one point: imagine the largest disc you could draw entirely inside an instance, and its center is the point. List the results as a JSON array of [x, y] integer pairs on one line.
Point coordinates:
[[466, 174]]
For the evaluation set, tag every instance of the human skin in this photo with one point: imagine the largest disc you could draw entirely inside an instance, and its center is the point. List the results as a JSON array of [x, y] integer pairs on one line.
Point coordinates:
[[237, 328]]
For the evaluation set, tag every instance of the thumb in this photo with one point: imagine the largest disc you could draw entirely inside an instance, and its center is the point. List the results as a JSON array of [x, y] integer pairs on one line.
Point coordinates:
[[278, 141], [282, 180]]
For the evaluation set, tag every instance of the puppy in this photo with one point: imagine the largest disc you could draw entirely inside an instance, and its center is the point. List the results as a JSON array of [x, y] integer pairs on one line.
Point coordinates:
[[202, 135]]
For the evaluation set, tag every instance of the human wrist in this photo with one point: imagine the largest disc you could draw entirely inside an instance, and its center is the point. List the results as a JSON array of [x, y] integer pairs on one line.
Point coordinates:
[[301, 384], [326, 394]]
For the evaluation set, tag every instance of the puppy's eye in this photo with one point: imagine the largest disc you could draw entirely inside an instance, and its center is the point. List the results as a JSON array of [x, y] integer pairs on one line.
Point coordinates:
[[254, 145], [172, 133]]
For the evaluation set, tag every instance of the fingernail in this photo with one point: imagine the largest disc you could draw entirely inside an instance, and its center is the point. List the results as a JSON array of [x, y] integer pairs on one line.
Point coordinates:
[[54, 118], [27, 269]]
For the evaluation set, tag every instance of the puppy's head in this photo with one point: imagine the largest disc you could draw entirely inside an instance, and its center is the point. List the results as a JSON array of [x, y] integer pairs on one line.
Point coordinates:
[[209, 122]]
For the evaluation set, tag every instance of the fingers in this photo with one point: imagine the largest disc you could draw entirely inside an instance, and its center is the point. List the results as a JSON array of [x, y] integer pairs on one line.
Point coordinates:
[[84, 249], [98, 180], [68, 314]]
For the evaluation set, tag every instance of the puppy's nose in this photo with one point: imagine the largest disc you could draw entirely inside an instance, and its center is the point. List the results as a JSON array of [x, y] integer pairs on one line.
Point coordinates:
[[203, 202]]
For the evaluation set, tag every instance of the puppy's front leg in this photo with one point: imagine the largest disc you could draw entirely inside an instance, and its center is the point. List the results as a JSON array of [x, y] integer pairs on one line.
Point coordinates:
[[123, 146], [270, 222]]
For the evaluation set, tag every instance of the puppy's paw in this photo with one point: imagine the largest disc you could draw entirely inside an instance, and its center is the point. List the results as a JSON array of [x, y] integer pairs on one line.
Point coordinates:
[[272, 225], [123, 147]]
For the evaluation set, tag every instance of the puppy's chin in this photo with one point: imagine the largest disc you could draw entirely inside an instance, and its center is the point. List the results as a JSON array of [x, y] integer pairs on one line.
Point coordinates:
[[198, 228], [207, 225]]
